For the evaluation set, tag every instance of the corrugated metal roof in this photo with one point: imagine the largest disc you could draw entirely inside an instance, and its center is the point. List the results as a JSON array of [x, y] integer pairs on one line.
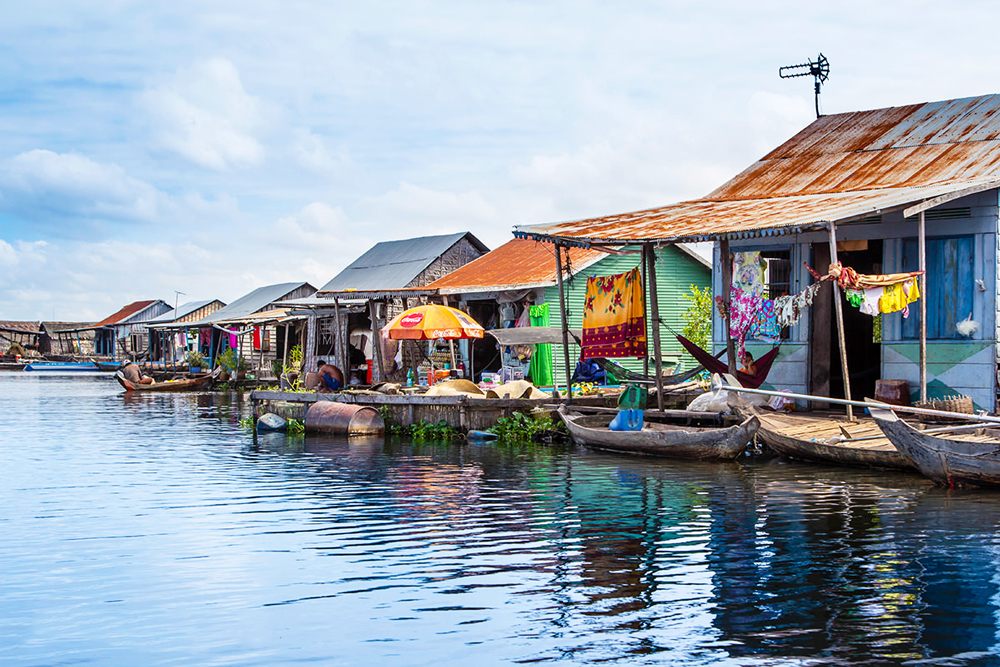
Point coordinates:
[[839, 167], [125, 313], [182, 310], [517, 264], [251, 303], [19, 326], [394, 264]]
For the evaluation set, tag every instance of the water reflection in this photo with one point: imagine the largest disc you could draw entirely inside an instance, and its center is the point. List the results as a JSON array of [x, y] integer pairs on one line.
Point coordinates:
[[277, 549]]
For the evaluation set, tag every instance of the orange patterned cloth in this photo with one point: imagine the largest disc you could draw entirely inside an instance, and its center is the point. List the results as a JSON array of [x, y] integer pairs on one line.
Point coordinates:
[[614, 316]]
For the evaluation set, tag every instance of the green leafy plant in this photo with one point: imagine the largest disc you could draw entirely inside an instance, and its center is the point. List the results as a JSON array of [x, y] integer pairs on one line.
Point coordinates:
[[295, 427], [698, 316], [522, 428], [227, 360], [294, 364], [247, 422], [195, 358]]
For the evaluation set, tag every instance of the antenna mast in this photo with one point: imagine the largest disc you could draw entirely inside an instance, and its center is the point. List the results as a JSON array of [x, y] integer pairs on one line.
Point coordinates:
[[819, 69]]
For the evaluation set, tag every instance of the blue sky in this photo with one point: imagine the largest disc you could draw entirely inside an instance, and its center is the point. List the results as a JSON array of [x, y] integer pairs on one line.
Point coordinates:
[[214, 147]]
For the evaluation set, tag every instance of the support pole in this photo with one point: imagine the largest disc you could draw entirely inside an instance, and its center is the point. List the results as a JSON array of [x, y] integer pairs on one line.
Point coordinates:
[[838, 306], [565, 323], [922, 243], [451, 343], [650, 254], [727, 296], [338, 343], [376, 342], [645, 285]]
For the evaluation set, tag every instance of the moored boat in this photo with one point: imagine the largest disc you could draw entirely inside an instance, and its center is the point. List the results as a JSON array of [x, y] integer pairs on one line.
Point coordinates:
[[62, 367], [187, 384], [948, 457], [826, 439], [720, 443]]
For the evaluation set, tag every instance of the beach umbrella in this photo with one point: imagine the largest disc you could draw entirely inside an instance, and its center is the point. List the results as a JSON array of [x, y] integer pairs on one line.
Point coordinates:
[[431, 322]]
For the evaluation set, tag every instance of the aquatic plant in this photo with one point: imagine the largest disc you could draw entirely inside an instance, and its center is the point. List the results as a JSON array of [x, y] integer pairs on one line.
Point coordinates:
[[522, 428]]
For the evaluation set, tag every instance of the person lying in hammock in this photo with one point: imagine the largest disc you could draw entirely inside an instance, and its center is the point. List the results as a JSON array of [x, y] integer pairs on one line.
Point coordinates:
[[748, 364]]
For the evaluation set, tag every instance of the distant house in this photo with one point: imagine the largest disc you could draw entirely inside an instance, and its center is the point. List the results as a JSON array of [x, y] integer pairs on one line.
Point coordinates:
[[864, 185], [67, 339], [497, 288], [171, 336], [373, 289], [25, 334], [124, 334], [259, 331]]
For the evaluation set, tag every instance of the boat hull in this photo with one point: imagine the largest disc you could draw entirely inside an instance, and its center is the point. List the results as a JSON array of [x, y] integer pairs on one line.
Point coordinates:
[[62, 367], [192, 384], [945, 461], [704, 444], [790, 437]]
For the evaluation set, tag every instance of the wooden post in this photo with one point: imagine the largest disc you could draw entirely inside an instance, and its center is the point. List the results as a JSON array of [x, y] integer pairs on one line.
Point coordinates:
[[645, 286], [565, 323], [838, 307], [338, 347], [654, 298], [922, 252], [727, 296], [284, 352], [376, 342]]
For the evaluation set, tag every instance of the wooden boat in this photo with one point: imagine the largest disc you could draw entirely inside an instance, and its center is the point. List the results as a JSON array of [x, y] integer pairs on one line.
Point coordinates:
[[62, 367], [680, 442], [825, 439], [189, 384], [969, 458]]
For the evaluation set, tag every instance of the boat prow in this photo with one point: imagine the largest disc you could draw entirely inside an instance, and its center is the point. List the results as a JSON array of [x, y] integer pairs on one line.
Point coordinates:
[[187, 384]]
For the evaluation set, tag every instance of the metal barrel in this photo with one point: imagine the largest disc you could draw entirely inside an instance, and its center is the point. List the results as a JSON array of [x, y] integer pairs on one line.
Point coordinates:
[[343, 418]]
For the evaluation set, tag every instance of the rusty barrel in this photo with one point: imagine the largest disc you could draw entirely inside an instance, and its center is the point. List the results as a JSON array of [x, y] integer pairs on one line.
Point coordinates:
[[343, 418], [893, 392]]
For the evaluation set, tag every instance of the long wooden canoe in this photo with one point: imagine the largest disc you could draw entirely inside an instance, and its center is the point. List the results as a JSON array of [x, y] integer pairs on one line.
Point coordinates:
[[825, 439], [958, 459], [189, 384], [680, 442]]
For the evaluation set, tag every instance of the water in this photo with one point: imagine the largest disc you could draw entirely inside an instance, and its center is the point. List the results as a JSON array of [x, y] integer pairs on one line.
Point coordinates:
[[152, 530]]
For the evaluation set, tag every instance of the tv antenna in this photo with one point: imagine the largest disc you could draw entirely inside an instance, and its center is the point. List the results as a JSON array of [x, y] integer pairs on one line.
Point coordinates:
[[819, 69]]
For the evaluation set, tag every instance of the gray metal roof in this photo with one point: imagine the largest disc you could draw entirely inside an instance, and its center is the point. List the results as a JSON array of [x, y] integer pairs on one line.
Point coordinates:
[[251, 303], [182, 311], [394, 264]]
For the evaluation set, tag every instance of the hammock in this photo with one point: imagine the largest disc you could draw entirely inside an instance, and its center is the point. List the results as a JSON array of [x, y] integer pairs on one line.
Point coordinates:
[[714, 365], [624, 374]]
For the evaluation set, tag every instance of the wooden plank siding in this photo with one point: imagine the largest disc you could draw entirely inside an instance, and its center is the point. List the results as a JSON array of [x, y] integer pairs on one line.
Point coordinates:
[[676, 271]]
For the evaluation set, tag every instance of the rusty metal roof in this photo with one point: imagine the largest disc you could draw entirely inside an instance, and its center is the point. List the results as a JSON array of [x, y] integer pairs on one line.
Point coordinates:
[[125, 313], [517, 264], [839, 167], [20, 326]]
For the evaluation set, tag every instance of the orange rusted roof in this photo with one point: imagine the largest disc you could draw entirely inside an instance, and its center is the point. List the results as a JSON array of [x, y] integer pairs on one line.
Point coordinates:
[[517, 264], [125, 312], [839, 167]]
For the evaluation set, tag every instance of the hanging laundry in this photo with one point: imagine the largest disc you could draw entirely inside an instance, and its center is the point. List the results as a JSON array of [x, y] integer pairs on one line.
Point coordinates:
[[748, 272], [870, 304], [899, 297], [743, 308], [789, 309], [855, 297], [232, 337], [765, 327], [614, 316], [848, 278], [256, 338]]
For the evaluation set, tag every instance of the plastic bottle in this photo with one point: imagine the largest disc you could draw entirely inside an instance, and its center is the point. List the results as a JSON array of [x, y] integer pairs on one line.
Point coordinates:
[[409, 377]]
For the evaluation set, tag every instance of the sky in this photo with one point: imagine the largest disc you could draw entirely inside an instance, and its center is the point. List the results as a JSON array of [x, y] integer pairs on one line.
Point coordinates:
[[198, 150]]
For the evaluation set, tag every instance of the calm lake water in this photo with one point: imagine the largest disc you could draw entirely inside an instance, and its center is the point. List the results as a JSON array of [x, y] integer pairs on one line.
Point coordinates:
[[153, 530]]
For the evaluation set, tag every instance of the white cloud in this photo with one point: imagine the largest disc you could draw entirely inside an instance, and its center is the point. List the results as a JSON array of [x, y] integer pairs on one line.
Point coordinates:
[[411, 211], [205, 115], [311, 151], [41, 183]]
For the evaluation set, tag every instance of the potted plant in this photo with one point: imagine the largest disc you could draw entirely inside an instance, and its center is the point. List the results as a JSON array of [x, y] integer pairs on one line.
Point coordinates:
[[227, 362], [242, 366], [195, 361]]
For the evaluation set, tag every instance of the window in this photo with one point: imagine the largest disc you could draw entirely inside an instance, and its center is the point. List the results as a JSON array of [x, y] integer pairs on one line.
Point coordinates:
[[950, 285]]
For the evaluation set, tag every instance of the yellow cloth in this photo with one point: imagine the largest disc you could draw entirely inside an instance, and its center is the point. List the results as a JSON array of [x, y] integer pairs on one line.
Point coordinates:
[[614, 316], [898, 297]]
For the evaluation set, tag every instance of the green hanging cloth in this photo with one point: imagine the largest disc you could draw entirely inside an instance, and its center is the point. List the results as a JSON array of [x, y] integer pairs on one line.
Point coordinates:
[[540, 368]]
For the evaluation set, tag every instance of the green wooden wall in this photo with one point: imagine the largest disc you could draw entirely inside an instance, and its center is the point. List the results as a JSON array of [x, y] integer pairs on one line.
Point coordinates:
[[676, 271]]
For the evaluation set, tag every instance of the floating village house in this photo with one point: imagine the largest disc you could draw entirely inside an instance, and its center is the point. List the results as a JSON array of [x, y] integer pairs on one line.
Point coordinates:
[[379, 284], [124, 335], [257, 329], [885, 191], [516, 284], [172, 336]]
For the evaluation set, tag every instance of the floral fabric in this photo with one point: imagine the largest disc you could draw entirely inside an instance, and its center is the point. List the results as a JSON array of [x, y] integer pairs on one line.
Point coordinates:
[[614, 316]]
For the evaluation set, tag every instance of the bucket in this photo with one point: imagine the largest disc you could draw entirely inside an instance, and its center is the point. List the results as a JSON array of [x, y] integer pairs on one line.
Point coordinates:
[[893, 392], [343, 418]]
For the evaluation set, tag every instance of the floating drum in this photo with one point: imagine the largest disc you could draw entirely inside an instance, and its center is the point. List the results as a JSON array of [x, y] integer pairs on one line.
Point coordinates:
[[893, 392], [343, 418], [271, 422]]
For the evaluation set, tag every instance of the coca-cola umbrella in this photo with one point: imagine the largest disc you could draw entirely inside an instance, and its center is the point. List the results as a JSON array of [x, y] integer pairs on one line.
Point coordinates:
[[431, 322]]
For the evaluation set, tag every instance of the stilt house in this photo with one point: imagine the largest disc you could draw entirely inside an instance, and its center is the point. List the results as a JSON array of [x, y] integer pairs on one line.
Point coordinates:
[[886, 191]]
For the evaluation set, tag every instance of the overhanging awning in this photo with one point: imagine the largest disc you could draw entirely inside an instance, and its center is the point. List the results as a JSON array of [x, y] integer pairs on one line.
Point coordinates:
[[533, 335]]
